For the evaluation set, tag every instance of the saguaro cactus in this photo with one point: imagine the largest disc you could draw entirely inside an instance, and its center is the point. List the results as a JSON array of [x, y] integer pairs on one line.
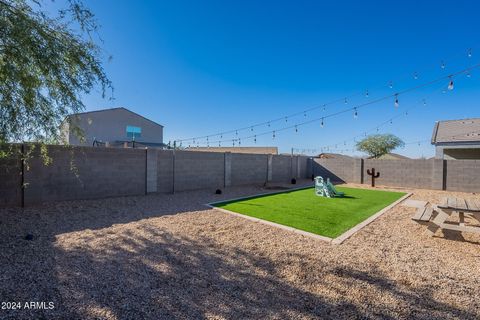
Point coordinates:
[[374, 175]]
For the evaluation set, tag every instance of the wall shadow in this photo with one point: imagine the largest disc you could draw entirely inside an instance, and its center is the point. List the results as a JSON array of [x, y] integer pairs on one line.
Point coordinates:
[[151, 273], [319, 170]]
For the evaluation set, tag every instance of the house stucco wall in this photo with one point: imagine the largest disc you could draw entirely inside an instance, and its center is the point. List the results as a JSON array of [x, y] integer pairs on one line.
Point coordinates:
[[110, 125]]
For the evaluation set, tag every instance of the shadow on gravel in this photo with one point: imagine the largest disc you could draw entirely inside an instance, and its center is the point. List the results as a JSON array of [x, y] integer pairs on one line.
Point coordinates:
[[148, 273]]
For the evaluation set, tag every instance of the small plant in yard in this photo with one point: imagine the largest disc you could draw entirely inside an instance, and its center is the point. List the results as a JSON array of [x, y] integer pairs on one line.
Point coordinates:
[[379, 144]]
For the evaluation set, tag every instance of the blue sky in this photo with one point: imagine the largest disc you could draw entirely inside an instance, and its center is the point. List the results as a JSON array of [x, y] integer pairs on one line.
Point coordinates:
[[202, 67]]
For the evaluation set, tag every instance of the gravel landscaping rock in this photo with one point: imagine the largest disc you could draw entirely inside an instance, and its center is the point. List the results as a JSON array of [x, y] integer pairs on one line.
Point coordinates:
[[171, 257]]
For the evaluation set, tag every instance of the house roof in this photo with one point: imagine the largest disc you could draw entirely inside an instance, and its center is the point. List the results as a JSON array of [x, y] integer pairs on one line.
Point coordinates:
[[451, 131], [333, 156], [392, 156], [117, 108]]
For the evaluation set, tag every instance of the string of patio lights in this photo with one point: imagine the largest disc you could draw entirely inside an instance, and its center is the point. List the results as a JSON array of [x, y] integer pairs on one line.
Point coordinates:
[[317, 150], [355, 110], [376, 129]]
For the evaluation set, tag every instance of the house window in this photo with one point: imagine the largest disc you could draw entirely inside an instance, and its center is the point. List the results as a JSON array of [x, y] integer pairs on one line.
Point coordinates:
[[133, 132]]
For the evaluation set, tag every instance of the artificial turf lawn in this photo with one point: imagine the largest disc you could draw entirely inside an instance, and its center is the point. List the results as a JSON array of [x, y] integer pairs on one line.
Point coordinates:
[[302, 209]]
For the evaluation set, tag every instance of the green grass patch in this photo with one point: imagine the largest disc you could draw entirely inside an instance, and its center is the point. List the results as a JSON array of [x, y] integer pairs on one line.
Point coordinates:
[[302, 209]]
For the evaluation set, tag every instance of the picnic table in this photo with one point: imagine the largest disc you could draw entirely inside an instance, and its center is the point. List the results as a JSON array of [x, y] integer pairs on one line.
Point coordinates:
[[448, 207]]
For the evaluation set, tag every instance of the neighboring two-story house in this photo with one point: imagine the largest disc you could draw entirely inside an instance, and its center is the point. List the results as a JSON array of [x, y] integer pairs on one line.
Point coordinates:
[[112, 126], [457, 139]]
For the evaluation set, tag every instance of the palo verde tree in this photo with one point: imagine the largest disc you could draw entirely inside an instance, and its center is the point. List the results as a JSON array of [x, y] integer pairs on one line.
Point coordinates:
[[379, 144], [47, 61]]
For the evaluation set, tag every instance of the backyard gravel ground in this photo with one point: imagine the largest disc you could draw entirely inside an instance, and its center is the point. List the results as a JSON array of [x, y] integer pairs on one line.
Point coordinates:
[[170, 257]]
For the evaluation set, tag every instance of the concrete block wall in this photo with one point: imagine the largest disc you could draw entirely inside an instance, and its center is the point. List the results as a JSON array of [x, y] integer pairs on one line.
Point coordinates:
[[248, 169], [402, 173], [165, 166], [85, 173], [303, 167], [282, 168], [338, 170], [11, 179], [436, 174], [199, 170], [463, 175]]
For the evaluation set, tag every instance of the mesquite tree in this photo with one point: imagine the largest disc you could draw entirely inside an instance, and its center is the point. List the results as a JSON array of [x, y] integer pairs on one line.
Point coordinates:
[[379, 144], [47, 61]]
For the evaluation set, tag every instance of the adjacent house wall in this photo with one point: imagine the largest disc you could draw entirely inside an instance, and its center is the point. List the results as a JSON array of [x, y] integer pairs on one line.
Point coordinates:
[[110, 125], [463, 175]]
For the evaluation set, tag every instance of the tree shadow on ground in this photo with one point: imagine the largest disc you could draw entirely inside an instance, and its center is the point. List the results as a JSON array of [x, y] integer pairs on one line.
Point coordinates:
[[153, 274], [149, 273], [142, 272]]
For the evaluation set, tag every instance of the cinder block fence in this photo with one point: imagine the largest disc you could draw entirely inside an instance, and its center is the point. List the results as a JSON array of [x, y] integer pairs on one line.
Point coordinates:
[[437, 174], [90, 173]]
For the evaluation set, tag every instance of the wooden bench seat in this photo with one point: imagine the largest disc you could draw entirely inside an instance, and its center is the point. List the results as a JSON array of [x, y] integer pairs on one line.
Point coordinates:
[[423, 214]]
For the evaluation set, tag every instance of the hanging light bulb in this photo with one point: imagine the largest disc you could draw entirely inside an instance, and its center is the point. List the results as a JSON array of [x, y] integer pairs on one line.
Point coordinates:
[[469, 52], [322, 123], [345, 101], [194, 141], [424, 102], [450, 84], [236, 132], [219, 144], [324, 108], [442, 65], [251, 129], [377, 129], [239, 141], [268, 124], [355, 114], [221, 136], [296, 129], [406, 113], [366, 94], [304, 114], [286, 119], [391, 121], [255, 138], [396, 100], [233, 143], [468, 74], [390, 85], [273, 135], [415, 76]]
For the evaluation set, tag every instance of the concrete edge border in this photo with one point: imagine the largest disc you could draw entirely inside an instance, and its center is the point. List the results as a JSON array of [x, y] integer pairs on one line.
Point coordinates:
[[350, 232], [338, 240]]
